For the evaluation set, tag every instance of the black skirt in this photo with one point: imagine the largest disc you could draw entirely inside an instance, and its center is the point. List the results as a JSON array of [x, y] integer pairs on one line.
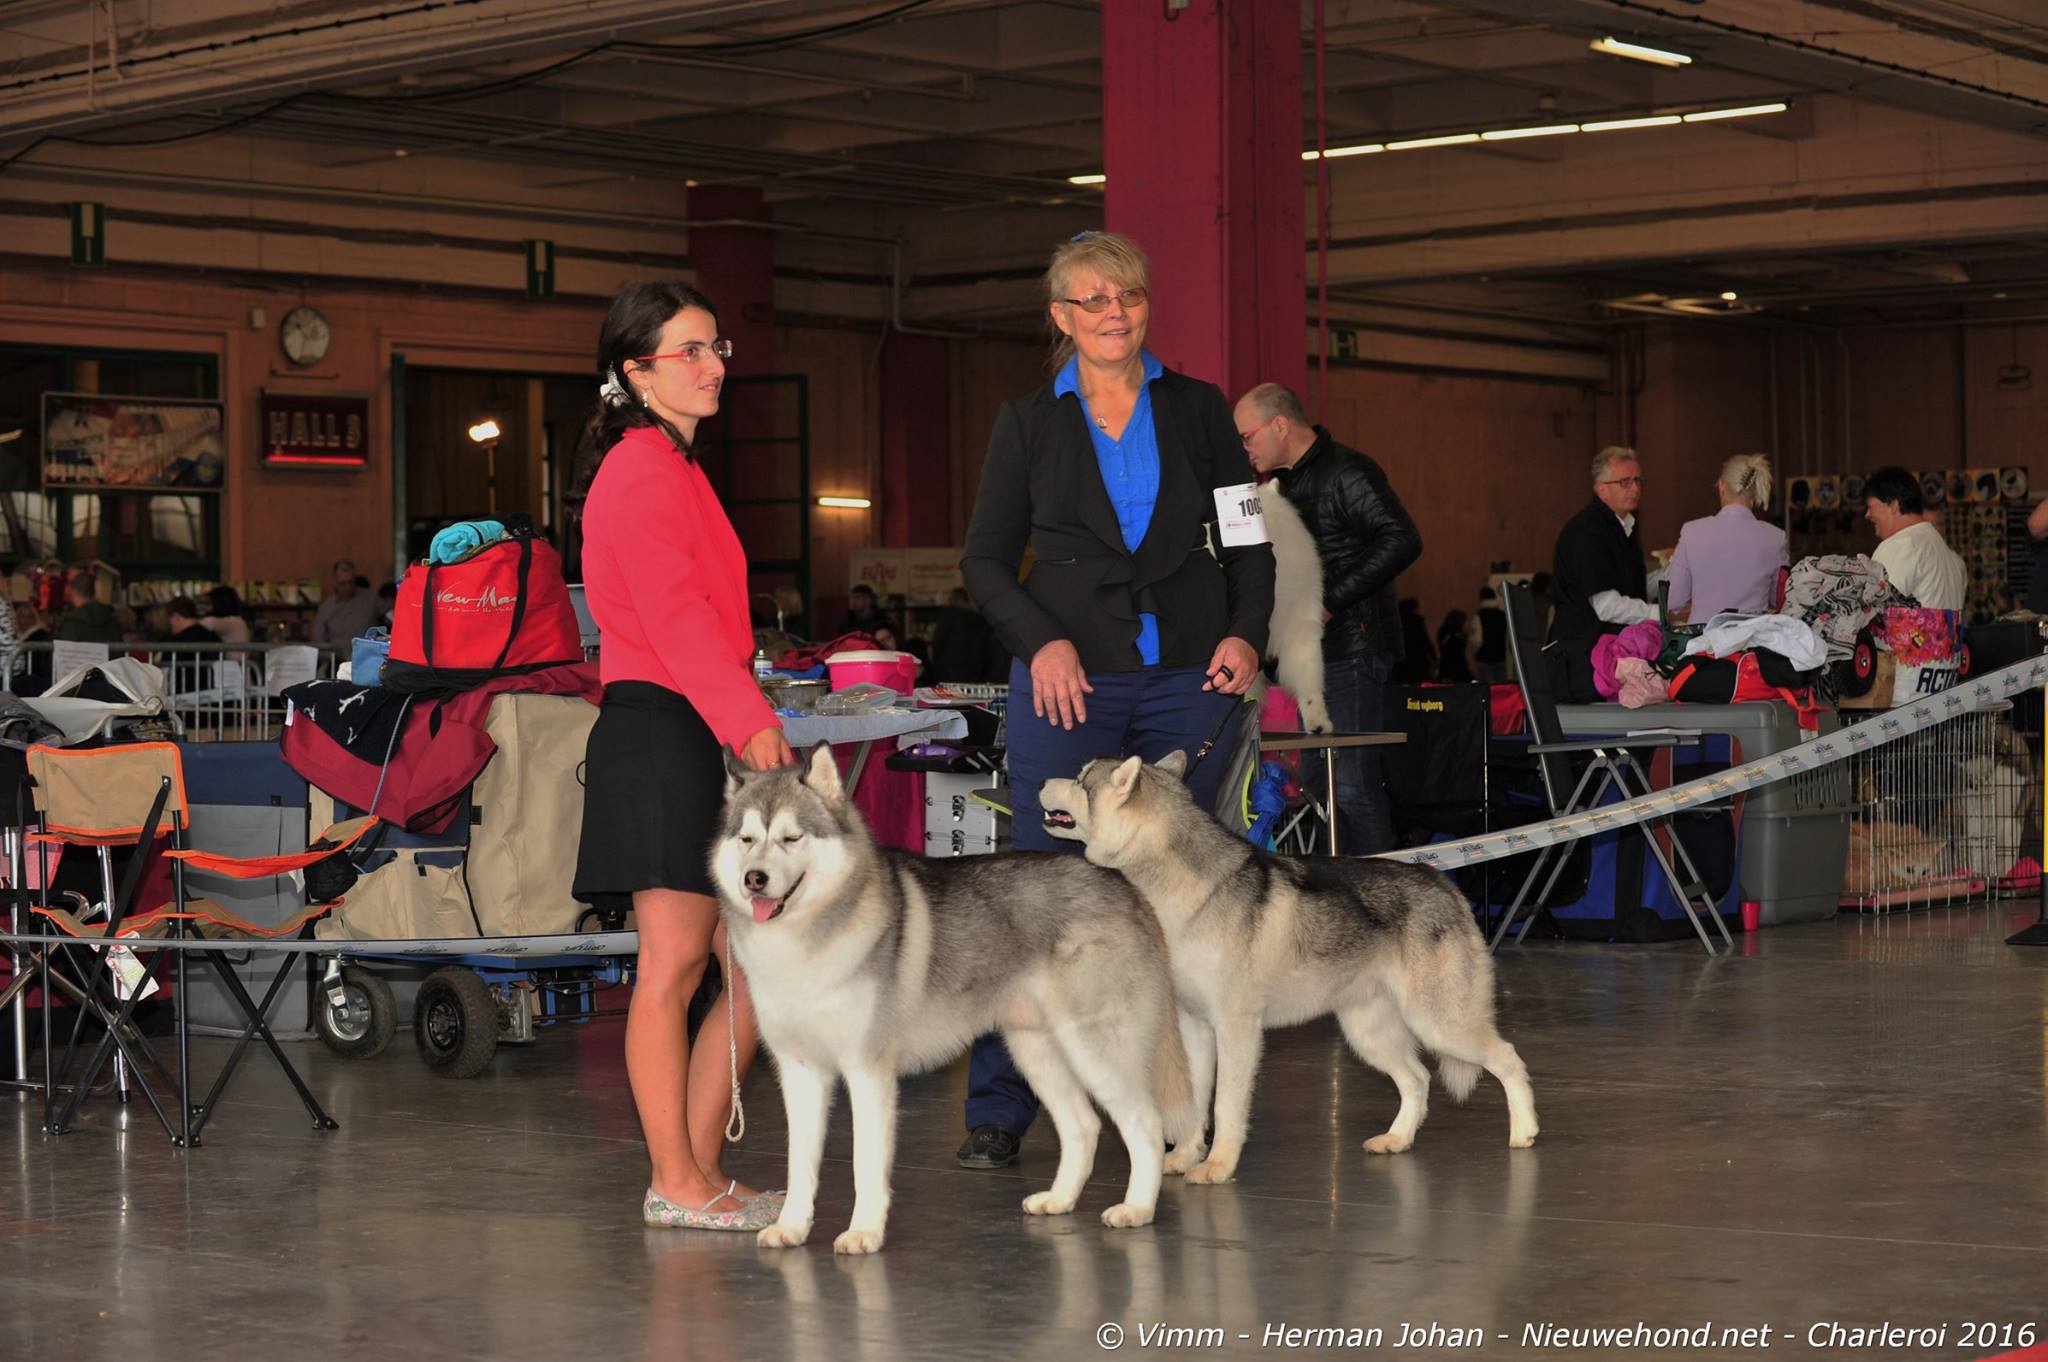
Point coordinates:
[[653, 785]]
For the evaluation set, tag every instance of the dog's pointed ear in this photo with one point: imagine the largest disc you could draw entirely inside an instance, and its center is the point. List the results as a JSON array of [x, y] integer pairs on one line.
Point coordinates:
[[735, 771], [1174, 764], [1126, 777], [821, 773]]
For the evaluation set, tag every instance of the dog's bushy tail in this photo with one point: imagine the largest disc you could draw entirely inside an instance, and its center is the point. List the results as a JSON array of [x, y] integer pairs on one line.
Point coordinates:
[[1173, 1088], [1460, 1076]]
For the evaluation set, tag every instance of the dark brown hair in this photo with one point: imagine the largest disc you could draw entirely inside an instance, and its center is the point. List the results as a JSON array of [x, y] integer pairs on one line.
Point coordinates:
[[632, 328]]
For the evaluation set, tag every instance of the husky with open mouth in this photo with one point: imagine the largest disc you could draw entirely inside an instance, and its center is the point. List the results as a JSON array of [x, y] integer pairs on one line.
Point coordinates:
[[869, 963], [1259, 940]]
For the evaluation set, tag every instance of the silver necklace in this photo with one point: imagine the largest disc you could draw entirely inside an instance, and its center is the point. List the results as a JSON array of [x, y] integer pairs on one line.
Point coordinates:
[[1101, 423]]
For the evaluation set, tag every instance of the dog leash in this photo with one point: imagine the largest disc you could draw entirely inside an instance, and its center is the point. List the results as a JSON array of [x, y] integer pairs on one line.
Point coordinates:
[[1209, 743], [735, 1124]]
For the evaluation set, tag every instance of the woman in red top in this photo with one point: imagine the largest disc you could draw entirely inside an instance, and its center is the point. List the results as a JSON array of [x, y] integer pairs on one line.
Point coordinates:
[[666, 580]]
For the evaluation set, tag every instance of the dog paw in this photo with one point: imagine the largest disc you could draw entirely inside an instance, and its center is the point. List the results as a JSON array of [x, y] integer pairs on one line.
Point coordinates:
[[1125, 1216], [1047, 1203], [1180, 1160], [1522, 1139], [782, 1234], [1212, 1170], [1314, 717], [858, 1241], [1389, 1143]]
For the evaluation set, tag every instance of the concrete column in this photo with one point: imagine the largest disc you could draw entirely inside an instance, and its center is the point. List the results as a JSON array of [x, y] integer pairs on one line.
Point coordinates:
[[1202, 141]]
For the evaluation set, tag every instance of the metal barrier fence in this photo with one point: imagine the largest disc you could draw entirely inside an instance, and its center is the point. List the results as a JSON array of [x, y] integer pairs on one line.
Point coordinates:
[[1942, 816], [219, 692]]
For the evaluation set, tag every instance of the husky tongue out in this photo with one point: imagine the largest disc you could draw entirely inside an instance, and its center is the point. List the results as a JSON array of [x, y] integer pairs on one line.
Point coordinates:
[[767, 909]]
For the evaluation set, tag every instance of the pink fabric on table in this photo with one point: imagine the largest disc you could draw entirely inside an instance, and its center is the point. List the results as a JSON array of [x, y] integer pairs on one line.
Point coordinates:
[[1639, 683], [1642, 639]]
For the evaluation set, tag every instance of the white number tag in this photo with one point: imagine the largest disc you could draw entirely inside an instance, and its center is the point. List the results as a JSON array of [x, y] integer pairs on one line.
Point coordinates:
[[1240, 517]]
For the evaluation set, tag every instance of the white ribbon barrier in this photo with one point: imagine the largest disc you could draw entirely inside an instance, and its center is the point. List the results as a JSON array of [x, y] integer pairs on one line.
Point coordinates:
[[1885, 726], [594, 945]]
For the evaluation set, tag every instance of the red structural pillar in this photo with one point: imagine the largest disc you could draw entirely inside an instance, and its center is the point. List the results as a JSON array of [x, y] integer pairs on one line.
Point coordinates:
[[916, 437], [735, 265], [1202, 140]]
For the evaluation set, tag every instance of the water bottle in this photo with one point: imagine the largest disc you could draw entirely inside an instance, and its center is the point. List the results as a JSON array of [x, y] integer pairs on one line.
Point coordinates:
[[763, 668]]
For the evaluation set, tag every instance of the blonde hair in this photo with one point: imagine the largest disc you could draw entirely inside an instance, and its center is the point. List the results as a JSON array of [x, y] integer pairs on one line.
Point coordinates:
[[1119, 260], [1747, 478]]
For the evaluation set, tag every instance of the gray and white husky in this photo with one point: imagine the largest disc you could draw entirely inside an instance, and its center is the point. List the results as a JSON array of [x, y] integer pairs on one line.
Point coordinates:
[[1259, 940], [868, 963]]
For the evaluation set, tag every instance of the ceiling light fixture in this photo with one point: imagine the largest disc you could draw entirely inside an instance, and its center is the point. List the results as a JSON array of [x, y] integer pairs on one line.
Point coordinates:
[[1512, 134], [1728, 295], [1656, 56], [1448, 140], [1617, 124], [848, 503], [1358, 149], [1745, 111]]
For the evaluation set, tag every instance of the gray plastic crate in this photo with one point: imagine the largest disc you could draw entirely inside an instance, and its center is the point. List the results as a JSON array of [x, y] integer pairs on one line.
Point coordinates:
[[1795, 832]]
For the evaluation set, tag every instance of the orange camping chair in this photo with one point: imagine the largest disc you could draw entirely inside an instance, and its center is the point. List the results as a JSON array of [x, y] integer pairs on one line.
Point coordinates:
[[131, 795]]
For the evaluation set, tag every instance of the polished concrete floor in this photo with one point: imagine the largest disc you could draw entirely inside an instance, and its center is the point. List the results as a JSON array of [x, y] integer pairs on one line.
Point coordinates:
[[1847, 1121]]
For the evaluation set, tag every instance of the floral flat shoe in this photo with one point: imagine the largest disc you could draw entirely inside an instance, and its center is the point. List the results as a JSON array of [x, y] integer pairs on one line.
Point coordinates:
[[748, 1216]]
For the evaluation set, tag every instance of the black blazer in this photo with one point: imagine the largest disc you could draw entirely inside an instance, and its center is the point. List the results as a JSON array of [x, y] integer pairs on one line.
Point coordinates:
[[1042, 485], [1594, 554]]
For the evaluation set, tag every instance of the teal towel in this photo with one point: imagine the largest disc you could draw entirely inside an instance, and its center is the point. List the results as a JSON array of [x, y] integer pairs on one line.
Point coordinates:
[[464, 539]]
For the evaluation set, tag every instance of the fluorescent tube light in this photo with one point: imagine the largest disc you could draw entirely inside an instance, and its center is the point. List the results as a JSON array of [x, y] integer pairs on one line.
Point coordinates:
[[849, 503], [1510, 134], [1746, 111], [1452, 140], [1656, 56], [1616, 124]]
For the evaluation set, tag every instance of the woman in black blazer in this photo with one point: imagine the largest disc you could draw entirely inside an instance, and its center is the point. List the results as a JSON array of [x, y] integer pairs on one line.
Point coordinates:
[[1144, 615]]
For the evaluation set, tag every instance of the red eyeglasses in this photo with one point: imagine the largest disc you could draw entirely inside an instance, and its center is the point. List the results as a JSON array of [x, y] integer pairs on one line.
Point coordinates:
[[693, 352]]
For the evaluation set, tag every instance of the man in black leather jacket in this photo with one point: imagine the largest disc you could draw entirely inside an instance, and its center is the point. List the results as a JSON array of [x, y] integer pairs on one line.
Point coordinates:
[[1365, 540]]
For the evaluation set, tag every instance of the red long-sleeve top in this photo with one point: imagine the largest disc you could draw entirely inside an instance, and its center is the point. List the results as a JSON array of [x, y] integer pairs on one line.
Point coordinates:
[[666, 580]]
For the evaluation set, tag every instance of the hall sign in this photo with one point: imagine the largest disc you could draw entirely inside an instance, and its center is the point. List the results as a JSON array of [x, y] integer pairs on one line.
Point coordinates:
[[315, 430]]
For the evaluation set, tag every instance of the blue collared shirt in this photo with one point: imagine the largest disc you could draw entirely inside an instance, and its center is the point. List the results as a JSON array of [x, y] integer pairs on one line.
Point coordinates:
[[1130, 473]]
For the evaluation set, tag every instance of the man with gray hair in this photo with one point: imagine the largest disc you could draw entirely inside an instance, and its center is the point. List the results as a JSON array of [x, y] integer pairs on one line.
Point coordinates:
[[1364, 540], [1598, 578]]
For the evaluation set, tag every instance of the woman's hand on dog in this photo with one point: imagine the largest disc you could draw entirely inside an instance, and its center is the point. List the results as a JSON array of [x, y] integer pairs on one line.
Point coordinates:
[[767, 749], [1232, 668], [1058, 683]]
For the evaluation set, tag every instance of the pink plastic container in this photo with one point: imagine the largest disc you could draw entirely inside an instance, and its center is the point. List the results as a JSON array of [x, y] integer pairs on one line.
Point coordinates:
[[897, 671]]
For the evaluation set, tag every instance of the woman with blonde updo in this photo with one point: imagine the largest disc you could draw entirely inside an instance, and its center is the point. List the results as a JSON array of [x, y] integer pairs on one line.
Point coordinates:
[[1730, 561]]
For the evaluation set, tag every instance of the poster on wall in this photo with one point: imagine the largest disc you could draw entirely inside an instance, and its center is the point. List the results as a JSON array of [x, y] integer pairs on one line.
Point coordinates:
[[132, 444], [918, 576], [314, 430]]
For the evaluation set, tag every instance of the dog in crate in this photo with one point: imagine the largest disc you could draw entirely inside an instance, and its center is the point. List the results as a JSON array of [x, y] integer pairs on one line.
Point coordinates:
[[868, 963], [1995, 804], [1259, 940], [1887, 856]]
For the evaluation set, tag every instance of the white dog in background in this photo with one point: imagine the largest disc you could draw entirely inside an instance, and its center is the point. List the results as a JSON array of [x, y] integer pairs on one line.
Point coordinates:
[[1295, 636]]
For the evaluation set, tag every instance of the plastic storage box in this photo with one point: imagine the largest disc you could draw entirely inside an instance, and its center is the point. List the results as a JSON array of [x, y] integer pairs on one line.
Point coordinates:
[[1794, 833], [897, 671]]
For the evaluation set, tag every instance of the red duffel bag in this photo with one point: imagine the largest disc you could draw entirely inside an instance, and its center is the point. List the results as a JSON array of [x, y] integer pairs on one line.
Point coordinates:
[[503, 610]]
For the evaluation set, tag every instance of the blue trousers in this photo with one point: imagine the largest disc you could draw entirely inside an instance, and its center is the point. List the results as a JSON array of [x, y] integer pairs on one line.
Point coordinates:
[[1145, 714], [1354, 689]]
